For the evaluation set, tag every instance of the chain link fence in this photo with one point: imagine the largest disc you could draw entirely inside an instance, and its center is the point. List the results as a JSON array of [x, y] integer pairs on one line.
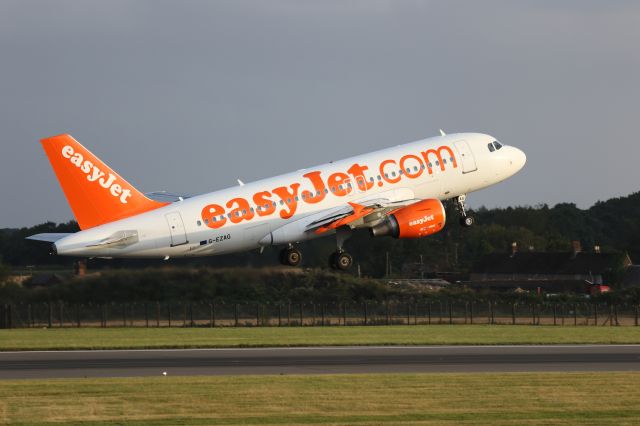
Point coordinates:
[[218, 314]]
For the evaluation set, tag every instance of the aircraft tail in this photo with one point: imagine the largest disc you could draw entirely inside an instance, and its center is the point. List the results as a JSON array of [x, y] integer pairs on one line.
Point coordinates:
[[96, 194]]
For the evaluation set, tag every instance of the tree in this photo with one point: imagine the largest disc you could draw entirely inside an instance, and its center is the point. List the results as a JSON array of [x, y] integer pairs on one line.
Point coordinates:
[[4, 271]]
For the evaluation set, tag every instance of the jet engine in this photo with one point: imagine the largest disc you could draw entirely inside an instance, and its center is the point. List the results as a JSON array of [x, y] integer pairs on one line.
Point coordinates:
[[413, 221]]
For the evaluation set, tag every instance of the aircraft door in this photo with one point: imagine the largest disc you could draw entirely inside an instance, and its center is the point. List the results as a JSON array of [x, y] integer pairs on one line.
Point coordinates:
[[466, 156], [176, 229]]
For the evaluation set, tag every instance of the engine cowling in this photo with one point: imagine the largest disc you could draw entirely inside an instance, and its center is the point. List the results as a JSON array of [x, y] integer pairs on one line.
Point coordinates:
[[414, 221]]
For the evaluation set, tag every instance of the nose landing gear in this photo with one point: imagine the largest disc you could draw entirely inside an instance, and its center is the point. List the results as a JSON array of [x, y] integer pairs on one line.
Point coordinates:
[[465, 220]]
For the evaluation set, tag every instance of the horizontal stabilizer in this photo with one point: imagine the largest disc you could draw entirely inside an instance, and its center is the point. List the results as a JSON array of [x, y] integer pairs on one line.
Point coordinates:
[[166, 197], [50, 238]]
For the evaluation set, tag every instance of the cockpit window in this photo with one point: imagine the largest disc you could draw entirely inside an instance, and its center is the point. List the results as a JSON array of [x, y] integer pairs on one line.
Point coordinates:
[[497, 144], [491, 147]]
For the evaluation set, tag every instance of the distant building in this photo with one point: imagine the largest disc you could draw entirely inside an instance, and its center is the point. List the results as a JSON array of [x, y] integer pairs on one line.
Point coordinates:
[[550, 271]]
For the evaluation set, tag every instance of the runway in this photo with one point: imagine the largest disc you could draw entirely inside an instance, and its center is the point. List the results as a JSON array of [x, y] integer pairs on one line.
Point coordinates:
[[318, 360]]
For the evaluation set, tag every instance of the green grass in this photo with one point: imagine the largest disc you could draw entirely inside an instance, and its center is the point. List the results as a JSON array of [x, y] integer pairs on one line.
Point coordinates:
[[507, 398], [121, 338]]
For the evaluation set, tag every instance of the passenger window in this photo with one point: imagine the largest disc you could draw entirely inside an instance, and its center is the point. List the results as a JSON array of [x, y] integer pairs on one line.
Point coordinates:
[[206, 221], [199, 223], [491, 147]]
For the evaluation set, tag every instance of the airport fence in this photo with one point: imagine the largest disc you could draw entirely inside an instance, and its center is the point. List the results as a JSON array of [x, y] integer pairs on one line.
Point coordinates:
[[217, 314]]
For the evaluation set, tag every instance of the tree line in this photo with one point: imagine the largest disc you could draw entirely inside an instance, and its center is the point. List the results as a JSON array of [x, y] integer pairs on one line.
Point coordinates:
[[263, 285], [614, 225]]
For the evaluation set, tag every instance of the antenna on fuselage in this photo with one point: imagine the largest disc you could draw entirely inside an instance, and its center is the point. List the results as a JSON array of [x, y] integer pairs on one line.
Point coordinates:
[[442, 133], [241, 183]]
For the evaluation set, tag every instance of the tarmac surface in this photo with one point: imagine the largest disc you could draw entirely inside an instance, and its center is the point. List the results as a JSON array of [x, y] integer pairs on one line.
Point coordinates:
[[318, 360]]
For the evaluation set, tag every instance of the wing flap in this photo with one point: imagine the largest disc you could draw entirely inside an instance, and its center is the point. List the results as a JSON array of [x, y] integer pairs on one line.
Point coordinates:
[[354, 211]]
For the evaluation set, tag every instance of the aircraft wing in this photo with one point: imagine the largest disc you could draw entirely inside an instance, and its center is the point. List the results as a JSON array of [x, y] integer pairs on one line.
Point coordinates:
[[346, 215]]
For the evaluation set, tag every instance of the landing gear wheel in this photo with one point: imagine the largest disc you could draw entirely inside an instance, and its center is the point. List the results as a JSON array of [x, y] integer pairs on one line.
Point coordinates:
[[466, 221], [344, 261], [290, 257], [340, 260]]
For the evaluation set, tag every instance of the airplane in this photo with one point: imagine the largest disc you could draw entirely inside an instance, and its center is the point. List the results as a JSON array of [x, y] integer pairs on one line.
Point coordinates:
[[395, 192]]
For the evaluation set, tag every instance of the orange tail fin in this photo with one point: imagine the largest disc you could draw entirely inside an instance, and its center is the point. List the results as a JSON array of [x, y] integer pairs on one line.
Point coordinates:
[[95, 193]]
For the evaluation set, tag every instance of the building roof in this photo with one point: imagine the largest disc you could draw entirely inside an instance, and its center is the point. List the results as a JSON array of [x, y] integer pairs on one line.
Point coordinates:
[[546, 263]]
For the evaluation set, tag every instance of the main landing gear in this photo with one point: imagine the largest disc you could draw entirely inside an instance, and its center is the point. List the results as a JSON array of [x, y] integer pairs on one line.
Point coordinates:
[[465, 220], [340, 259], [290, 256]]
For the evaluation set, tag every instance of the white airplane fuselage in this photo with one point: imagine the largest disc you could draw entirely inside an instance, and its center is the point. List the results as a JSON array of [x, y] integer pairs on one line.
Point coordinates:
[[244, 217]]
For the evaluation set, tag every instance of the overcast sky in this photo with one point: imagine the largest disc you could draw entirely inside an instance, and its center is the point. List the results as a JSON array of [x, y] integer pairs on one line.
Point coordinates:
[[188, 96]]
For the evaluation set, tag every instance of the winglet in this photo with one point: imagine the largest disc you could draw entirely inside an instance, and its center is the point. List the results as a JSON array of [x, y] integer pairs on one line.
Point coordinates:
[[96, 194]]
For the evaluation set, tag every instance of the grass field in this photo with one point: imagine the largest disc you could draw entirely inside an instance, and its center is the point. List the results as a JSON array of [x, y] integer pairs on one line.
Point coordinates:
[[120, 338], [508, 398]]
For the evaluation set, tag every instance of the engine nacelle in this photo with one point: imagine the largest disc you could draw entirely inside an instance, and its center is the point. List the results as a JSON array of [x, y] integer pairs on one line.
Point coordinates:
[[414, 221]]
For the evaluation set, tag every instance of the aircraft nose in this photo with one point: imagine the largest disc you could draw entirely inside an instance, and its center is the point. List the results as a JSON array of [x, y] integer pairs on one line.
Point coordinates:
[[518, 159]]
